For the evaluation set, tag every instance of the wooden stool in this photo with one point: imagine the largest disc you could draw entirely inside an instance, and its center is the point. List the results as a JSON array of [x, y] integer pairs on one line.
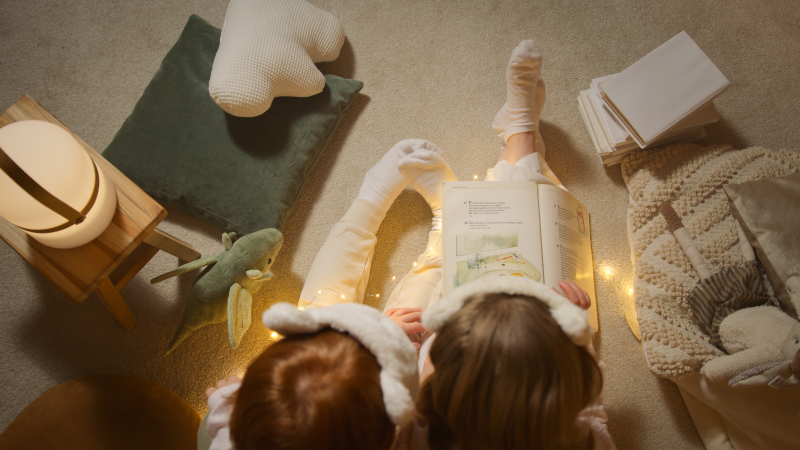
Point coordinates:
[[109, 262]]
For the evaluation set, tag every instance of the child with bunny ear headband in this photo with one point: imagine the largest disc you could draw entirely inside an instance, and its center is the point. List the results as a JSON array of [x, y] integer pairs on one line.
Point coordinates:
[[513, 368], [343, 377]]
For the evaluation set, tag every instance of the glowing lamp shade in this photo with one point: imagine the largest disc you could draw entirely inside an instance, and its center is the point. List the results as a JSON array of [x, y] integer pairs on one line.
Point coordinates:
[[43, 164]]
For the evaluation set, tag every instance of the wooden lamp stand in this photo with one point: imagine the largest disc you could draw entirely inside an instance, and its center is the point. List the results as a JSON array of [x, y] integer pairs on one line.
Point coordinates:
[[110, 261]]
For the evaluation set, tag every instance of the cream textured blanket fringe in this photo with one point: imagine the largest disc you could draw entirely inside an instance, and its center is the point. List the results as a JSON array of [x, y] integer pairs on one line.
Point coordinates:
[[691, 178]]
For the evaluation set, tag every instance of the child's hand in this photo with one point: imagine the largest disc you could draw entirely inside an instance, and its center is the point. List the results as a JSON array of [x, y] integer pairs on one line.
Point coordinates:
[[233, 379], [407, 318], [576, 295]]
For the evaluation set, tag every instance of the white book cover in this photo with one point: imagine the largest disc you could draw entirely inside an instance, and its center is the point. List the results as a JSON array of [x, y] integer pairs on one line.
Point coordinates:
[[705, 115], [664, 87]]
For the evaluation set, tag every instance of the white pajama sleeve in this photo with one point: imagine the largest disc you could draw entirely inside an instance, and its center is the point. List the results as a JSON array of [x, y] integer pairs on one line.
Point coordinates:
[[219, 413], [340, 271]]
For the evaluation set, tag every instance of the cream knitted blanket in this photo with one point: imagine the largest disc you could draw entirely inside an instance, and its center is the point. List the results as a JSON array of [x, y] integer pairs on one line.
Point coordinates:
[[691, 178]]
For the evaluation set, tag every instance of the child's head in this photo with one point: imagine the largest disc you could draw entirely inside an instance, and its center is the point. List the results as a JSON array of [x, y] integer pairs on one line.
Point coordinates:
[[507, 375], [318, 390], [342, 378]]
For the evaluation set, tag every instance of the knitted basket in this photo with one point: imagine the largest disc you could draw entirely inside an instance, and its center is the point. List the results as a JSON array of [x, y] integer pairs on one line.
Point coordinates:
[[691, 178]]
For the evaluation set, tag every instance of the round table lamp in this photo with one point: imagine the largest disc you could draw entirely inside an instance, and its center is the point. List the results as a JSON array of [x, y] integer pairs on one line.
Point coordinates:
[[50, 187]]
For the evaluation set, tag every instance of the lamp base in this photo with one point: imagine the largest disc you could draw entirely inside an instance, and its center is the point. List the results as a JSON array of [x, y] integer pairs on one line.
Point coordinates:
[[97, 220]]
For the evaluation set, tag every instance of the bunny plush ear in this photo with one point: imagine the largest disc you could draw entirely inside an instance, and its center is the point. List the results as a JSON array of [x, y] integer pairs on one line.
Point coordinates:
[[287, 320], [572, 319], [382, 337]]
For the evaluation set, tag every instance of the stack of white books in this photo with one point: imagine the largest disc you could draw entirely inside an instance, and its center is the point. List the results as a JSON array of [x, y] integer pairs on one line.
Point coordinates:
[[664, 98]]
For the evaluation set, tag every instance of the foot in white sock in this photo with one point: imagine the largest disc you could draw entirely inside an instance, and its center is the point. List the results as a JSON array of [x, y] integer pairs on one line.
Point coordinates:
[[525, 92], [383, 182], [426, 170]]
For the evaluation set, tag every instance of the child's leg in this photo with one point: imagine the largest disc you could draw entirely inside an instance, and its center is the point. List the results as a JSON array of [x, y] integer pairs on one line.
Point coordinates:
[[525, 94], [529, 164], [425, 170], [517, 122], [341, 268]]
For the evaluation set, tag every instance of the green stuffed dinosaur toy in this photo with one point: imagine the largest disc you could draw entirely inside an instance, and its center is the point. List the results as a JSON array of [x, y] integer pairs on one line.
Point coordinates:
[[225, 288]]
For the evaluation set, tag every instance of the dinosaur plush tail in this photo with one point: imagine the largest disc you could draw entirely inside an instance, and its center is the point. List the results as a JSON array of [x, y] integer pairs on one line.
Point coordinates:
[[182, 333]]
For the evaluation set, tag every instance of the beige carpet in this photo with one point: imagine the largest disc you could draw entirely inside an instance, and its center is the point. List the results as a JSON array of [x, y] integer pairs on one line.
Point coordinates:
[[431, 69]]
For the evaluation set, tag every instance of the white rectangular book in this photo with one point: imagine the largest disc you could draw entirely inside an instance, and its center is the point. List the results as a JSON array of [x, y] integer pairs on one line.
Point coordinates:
[[613, 154], [705, 115], [660, 90], [516, 229]]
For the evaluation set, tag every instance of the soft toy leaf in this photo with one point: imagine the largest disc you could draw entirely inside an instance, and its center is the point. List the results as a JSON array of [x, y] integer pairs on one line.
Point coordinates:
[[239, 307]]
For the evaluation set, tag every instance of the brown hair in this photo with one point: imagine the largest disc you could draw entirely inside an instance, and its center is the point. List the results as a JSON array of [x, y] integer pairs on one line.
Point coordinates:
[[312, 391], [507, 377]]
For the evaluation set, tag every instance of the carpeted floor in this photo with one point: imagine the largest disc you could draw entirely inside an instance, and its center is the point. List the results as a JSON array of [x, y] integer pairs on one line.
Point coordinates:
[[431, 69]]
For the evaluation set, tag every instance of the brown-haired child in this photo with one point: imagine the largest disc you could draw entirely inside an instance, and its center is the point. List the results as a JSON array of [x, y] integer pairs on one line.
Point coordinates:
[[512, 368], [510, 363], [343, 377]]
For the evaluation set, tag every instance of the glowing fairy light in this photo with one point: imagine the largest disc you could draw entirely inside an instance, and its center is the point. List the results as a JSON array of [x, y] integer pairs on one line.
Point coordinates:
[[378, 295], [319, 291], [475, 178], [342, 296], [393, 278], [274, 335]]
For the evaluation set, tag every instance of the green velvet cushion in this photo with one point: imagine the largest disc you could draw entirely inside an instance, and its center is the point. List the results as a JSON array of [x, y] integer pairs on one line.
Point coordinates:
[[241, 174]]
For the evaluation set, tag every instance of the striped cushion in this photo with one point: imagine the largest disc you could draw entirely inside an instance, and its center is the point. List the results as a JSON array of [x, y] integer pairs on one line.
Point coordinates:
[[724, 293]]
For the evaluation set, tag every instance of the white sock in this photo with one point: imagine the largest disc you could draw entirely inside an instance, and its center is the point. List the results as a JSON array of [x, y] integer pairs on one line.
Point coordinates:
[[525, 92], [426, 170], [383, 182]]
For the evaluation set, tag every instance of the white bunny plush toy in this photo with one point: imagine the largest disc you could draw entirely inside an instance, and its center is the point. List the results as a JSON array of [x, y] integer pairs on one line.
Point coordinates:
[[764, 348]]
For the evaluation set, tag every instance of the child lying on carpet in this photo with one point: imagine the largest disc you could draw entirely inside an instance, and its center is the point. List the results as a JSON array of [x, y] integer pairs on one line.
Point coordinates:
[[463, 405]]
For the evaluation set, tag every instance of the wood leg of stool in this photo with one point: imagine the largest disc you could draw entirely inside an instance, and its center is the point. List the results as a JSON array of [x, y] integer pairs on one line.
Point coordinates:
[[132, 265], [172, 245], [114, 302]]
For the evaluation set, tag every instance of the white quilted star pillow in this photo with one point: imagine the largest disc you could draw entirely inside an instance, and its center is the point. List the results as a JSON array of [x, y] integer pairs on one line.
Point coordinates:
[[268, 49]]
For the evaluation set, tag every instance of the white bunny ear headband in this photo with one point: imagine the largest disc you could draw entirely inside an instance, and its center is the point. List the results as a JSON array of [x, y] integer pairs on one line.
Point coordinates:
[[572, 319], [382, 337]]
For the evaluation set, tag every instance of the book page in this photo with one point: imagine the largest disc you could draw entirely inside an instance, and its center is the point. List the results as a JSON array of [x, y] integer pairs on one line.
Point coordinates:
[[567, 243], [490, 228]]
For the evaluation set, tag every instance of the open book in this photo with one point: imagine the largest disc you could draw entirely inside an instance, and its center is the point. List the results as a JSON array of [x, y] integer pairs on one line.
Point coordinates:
[[516, 229]]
